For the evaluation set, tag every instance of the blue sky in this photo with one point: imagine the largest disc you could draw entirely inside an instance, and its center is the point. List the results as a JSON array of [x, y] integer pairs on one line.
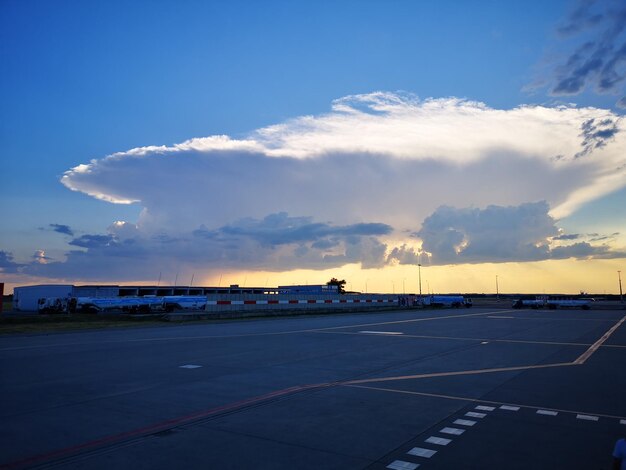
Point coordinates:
[[83, 80]]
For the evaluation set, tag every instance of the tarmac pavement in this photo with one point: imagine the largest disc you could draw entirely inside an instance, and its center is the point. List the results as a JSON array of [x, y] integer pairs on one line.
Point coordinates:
[[467, 389]]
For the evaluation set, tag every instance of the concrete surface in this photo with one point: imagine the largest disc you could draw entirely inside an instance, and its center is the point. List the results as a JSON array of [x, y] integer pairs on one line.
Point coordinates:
[[338, 391]]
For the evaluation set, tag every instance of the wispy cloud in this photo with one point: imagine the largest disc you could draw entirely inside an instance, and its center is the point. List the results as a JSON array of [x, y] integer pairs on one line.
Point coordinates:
[[571, 236], [7, 265], [63, 229], [594, 38]]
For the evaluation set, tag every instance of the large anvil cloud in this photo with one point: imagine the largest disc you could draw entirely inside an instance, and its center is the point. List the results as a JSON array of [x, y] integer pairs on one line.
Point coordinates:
[[354, 186]]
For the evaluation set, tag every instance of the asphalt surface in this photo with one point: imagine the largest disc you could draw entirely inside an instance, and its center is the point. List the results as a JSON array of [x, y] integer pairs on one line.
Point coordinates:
[[503, 388]]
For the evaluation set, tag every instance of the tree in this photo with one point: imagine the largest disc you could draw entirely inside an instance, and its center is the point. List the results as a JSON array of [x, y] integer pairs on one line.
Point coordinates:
[[340, 284]]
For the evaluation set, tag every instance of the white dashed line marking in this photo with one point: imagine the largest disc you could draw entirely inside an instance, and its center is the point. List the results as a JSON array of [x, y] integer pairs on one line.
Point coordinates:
[[509, 408], [465, 422], [622, 421], [421, 452], [189, 366], [454, 431], [440, 441], [547, 412], [485, 408], [587, 417], [382, 332], [473, 414], [402, 465]]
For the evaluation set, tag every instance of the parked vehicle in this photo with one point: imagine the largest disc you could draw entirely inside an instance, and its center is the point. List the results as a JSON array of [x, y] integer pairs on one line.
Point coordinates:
[[552, 304], [184, 302], [451, 301]]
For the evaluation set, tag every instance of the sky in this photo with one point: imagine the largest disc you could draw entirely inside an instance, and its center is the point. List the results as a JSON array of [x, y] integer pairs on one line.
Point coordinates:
[[475, 145]]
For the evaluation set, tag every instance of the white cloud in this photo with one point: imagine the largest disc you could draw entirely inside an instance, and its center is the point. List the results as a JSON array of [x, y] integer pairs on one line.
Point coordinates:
[[385, 157], [376, 160]]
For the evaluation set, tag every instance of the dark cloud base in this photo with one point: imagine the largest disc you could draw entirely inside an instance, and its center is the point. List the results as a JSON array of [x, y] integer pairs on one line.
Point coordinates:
[[279, 242], [496, 234]]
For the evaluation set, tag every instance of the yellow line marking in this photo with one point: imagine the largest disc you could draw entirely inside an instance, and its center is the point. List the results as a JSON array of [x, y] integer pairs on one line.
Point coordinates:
[[460, 372], [581, 360], [564, 319], [594, 347], [412, 320], [478, 400], [464, 338]]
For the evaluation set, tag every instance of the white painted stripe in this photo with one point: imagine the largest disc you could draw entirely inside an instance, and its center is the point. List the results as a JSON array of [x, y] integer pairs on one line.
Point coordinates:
[[473, 414], [495, 316], [509, 408], [236, 302], [211, 302], [547, 412], [320, 301], [454, 431], [402, 465], [440, 441], [421, 452], [622, 421], [484, 342], [465, 422], [587, 417], [382, 332], [189, 366], [485, 408], [303, 301], [350, 301], [335, 301], [283, 301], [261, 302]]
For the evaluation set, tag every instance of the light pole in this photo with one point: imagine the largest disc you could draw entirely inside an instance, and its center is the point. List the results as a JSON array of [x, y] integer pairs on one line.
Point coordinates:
[[419, 273], [619, 277], [497, 290]]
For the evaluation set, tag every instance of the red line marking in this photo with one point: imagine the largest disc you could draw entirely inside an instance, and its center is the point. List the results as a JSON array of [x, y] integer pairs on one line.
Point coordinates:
[[153, 428], [223, 302]]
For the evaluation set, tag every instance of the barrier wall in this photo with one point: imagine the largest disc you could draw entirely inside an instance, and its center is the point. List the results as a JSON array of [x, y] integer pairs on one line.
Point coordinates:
[[254, 302]]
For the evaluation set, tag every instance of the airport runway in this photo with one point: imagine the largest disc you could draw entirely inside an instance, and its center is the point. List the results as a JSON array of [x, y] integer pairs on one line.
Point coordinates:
[[462, 389]]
